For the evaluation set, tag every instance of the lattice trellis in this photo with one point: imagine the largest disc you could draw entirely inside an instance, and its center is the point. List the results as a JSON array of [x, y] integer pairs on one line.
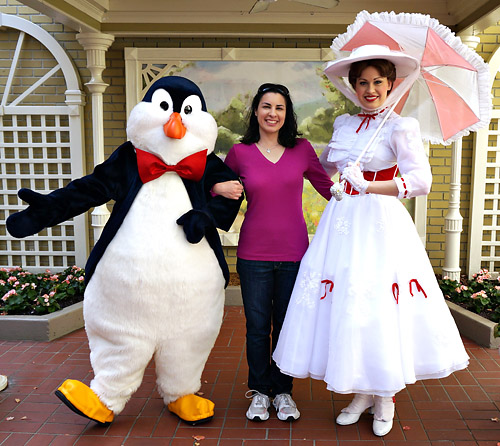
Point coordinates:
[[41, 146], [490, 250], [35, 154], [484, 243]]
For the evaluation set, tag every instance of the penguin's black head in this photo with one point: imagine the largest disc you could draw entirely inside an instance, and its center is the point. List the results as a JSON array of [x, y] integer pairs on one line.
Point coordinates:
[[172, 121], [179, 89]]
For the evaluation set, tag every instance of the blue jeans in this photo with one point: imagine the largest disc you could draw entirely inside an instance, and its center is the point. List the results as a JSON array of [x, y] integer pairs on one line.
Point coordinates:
[[266, 287]]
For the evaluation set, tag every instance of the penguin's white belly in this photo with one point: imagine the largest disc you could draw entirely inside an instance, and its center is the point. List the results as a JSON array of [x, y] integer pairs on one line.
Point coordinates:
[[150, 274]]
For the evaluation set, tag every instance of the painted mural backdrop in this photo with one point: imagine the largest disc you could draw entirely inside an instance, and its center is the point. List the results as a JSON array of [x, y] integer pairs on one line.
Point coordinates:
[[229, 87]]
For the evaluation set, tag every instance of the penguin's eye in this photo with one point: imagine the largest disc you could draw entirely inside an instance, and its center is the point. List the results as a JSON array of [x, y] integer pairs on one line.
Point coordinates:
[[161, 98], [191, 105]]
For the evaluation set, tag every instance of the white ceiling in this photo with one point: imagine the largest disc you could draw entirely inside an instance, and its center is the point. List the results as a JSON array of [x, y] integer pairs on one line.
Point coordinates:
[[233, 18]]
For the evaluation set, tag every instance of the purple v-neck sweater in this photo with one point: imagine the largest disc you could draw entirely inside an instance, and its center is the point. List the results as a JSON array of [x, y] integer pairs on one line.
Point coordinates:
[[274, 228]]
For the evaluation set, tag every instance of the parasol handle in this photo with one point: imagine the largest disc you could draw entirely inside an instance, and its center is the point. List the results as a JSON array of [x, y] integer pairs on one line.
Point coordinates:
[[358, 159]]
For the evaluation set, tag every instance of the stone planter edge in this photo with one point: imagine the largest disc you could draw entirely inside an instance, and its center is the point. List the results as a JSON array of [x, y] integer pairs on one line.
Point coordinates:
[[45, 327], [233, 296], [474, 327]]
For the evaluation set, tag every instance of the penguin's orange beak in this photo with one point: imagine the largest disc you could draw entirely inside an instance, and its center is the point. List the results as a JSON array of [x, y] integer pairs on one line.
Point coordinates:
[[174, 128]]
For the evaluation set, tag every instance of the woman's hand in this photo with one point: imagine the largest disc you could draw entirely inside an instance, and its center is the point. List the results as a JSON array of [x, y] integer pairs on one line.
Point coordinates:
[[353, 174], [228, 189]]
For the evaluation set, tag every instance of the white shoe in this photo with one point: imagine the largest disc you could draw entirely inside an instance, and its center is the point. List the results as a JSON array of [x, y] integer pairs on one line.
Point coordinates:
[[258, 407], [381, 428], [285, 406], [352, 413], [3, 382], [383, 416]]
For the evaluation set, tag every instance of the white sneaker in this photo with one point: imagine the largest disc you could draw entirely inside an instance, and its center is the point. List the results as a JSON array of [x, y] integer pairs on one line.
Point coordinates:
[[3, 382], [258, 407], [285, 406]]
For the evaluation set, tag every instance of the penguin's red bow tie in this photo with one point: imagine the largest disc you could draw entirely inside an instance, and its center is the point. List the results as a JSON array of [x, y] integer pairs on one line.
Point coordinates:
[[152, 167]]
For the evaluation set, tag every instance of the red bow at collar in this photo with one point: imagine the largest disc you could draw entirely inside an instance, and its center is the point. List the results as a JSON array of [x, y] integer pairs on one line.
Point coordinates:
[[152, 167], [367, 117]]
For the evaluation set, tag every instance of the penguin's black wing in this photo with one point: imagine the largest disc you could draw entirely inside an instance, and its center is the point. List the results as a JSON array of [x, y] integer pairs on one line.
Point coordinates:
[[106, 183]]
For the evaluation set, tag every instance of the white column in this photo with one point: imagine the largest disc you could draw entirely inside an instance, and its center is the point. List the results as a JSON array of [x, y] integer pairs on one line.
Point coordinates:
[[96, 45], [453, 219]]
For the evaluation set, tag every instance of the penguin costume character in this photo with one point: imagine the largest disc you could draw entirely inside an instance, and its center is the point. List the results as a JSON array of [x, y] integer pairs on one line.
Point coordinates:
[[156, 277]]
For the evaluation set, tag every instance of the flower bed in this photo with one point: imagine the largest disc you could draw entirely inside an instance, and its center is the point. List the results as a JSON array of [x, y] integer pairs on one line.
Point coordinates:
[[25, 293], [474, 304], [481, 294]]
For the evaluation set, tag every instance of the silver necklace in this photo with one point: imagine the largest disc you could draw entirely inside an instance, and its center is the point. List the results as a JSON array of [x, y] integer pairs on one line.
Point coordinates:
[[268, 150]]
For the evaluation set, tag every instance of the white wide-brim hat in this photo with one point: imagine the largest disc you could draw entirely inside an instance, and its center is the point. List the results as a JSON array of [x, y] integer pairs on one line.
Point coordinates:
[[407, 69], [405, 64]]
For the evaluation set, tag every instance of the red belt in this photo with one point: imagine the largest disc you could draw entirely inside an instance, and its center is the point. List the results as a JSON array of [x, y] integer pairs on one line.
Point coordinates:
[[381, 175]]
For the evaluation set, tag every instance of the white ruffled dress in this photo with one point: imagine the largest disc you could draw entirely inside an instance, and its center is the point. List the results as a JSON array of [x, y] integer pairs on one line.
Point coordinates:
[[367, 314]]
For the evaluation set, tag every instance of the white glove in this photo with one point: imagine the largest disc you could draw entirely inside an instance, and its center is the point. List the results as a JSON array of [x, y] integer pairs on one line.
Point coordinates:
[[353, 174]]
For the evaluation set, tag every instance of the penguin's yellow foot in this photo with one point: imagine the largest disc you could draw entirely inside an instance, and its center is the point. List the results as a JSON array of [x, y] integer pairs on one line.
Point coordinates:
[[192, 409], [82, 400]]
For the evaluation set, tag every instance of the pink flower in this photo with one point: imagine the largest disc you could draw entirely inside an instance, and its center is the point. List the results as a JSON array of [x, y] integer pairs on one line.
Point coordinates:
[[8, 294], [458, 289], [464, 288], [81, 279], [479, 294]]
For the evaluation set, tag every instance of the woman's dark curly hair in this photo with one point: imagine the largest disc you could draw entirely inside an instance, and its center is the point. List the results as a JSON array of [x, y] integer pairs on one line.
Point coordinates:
[[385, 67], [288, 133]]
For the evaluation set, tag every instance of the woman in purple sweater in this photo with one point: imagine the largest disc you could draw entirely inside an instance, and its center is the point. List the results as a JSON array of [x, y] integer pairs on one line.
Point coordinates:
[[271, 162]]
